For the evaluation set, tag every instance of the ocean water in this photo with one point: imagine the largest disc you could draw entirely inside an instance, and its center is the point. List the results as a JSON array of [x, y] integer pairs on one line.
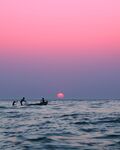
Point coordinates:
[[61, 125]]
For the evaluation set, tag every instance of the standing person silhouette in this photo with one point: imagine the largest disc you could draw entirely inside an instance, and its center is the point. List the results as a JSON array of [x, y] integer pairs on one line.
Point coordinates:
[[43, 100], [22, 100]]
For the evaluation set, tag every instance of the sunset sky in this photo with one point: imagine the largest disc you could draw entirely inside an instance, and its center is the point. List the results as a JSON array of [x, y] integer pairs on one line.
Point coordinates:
[[51, 46]]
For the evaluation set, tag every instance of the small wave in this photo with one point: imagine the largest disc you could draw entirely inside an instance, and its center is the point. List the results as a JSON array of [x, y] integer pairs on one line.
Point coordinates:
[[89, 129], [81, 123], [42, 139], [3, 107], [107, 120], [70, 115], [109, 136]]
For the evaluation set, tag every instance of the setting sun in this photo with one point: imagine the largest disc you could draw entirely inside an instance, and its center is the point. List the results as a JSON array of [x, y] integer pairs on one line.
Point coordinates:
[[60, 95]]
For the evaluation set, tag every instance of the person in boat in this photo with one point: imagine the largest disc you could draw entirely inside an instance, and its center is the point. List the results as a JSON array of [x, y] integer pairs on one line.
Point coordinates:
[[43, 100], [22, 100], [14, 103]]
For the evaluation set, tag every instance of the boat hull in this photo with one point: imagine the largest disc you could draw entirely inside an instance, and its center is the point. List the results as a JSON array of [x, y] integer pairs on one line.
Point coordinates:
[[39, 104]]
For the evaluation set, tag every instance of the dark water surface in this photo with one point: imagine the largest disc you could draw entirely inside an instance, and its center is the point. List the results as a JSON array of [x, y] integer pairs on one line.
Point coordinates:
[[61, 125]]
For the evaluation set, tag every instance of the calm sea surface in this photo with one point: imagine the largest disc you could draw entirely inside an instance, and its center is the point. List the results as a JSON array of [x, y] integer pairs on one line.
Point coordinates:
[[61, 125]]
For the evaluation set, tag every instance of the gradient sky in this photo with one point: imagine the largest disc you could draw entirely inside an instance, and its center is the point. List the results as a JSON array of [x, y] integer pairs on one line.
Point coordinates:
[[50, 46]]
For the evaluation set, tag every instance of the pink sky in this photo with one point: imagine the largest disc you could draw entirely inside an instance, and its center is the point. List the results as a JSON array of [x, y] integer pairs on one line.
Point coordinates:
[[59, 35], [64, 23]]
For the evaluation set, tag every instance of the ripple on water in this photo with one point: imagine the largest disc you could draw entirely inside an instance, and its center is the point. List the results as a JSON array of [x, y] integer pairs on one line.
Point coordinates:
[[41, 139]]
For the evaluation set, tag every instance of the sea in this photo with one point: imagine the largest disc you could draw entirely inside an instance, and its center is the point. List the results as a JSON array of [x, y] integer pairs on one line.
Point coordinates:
[[71, 124]]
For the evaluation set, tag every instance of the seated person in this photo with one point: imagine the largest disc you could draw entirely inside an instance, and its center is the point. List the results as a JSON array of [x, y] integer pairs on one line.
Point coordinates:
[[14, 103]]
